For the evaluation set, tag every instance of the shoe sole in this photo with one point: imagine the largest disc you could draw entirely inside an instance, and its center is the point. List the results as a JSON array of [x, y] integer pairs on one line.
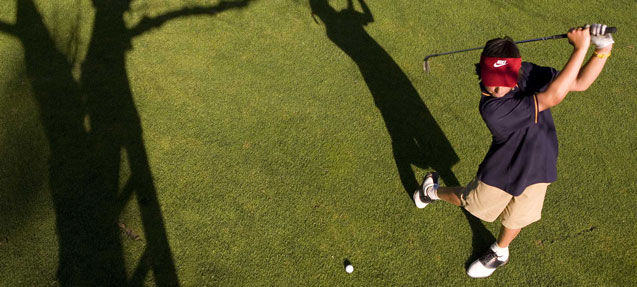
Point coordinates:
[[426, 183], [488, 275], [416, 197]]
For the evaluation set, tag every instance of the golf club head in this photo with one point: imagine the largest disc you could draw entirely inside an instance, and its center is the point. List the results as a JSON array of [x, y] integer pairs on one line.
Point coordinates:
[[425, 66]]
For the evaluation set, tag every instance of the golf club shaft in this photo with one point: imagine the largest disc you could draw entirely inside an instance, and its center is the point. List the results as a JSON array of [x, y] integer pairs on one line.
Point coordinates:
[[560, 36]]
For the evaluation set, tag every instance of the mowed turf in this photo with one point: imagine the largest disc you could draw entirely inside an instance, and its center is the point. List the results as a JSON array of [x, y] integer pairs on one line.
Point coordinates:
[[256, 144]]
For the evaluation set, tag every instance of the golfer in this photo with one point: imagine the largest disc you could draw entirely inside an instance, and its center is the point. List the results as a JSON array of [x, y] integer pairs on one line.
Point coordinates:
[[516, 99]]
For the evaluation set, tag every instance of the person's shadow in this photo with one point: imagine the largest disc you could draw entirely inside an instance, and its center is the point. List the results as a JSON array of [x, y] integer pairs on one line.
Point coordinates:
[[415, 135], [90, 124]]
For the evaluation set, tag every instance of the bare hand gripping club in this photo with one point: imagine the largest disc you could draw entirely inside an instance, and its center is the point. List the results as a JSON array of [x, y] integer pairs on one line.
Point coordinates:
[[426, 63]]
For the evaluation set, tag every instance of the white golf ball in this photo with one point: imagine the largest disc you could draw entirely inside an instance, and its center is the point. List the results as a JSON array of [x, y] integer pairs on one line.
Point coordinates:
[[349, 268]]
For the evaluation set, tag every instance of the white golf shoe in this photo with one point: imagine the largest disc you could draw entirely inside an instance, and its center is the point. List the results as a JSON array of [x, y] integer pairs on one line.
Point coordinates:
[[486, 265], [420, 195]]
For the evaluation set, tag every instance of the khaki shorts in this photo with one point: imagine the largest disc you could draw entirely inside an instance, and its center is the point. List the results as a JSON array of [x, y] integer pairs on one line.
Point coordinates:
[[488, 202]]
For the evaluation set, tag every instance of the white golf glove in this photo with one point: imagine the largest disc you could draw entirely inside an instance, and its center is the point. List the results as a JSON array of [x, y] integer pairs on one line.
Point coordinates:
[[598, 38]]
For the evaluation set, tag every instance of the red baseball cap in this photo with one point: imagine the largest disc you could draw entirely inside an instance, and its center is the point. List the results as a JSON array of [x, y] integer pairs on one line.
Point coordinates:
[[499, 72]]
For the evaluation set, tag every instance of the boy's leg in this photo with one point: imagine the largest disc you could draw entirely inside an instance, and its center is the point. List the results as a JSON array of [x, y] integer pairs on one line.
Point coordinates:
[[507, 235], [430, 191], [450, 194], [521, 211], [496, 256]]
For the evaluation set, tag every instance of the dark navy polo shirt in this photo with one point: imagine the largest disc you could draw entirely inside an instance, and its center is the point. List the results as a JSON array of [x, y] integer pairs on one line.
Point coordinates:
[[524, 147]]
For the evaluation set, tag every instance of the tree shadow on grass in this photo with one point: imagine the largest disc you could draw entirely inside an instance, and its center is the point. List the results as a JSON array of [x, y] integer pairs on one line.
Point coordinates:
[[416, 137], [90, 124]]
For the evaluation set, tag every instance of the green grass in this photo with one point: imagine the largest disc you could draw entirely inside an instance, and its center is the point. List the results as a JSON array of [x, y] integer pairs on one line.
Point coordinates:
[[269, 149]]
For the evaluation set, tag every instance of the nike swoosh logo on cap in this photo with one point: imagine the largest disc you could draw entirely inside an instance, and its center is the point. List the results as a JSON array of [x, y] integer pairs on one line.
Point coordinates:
[[500, 63]]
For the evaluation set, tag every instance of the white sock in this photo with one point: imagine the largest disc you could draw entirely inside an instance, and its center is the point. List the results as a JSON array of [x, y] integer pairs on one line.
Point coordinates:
[[503, 253], [432, 192]]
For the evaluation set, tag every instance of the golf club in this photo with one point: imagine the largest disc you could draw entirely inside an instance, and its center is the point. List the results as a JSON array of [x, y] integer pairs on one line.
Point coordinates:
[[426, 63]]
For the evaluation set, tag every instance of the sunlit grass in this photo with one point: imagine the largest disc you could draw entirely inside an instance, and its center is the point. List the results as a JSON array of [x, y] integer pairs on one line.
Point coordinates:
[[273, 164]]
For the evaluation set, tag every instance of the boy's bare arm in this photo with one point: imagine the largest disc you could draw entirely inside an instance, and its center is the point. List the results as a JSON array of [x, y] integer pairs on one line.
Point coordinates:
[[604, 44], [557, 90], [591, 70]]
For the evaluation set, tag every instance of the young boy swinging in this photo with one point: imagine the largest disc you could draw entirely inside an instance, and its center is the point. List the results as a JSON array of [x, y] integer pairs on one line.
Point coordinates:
[[515, 105]]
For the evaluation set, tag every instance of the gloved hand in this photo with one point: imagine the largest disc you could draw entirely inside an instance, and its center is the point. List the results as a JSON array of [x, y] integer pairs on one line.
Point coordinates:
[[598, 38]]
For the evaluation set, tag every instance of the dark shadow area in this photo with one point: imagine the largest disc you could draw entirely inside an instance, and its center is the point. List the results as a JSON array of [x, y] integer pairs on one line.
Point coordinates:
[[22, 148], [482, 238], [90, 124], [416, 137]]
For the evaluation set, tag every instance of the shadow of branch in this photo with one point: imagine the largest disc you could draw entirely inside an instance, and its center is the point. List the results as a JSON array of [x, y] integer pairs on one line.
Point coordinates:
[[148, 23], [7, 28]]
